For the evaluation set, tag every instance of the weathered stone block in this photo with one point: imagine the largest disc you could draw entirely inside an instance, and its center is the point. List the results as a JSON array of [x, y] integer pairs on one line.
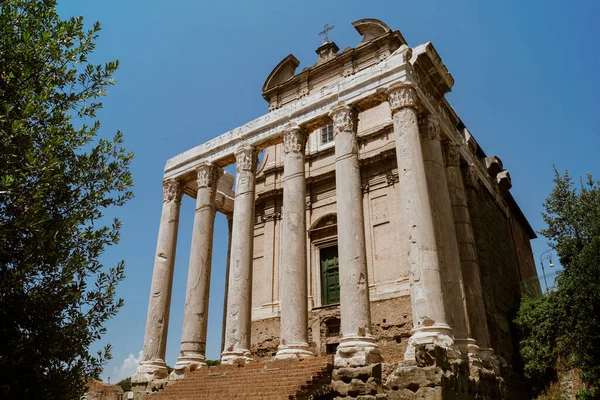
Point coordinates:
[[405, 377], [493, 165], [504, 182]]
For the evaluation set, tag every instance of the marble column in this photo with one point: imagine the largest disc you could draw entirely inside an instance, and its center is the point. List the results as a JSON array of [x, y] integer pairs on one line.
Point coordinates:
[[152, 365], [294, 302], [239, 293], [195, 313], [426, 293], [443, 218], [467, 249], [357, 346]]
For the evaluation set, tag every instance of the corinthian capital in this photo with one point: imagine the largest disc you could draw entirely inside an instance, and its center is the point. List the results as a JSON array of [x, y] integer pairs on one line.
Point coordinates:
[[207, 175], [172, 190], [294, 140], [245, 159], [452, 155], [402, 95], [344, 118], [429, 128], [472, 177]]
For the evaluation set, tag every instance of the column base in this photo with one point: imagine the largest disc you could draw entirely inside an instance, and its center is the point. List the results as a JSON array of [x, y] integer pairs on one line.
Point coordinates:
[[489, 359], [293, 351], [187, 363], [150, 375], [437, 335], [357, 351], [239, 357]]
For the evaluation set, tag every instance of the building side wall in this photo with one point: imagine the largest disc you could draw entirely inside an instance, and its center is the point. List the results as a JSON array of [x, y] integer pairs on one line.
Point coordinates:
[[499, 269]]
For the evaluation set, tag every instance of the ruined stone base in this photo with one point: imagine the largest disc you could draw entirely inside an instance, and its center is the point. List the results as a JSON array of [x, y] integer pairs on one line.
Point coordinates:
[[291, 351], [151, 376], [187, 364], [357, 382], [239, 357], [357, 352], [434, 375]]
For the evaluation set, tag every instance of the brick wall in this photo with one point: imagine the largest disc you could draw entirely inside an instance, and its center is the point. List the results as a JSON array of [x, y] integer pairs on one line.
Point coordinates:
[[391, 325]]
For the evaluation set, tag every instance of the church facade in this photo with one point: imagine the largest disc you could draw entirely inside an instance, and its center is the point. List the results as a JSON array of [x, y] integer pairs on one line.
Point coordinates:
[[372, 224]]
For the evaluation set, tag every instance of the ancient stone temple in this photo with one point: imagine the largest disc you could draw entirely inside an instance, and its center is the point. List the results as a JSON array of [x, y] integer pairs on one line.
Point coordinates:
[[374, 234]]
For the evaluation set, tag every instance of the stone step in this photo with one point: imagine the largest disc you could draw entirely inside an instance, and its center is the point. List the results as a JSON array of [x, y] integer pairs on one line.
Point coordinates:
[[279, 379]]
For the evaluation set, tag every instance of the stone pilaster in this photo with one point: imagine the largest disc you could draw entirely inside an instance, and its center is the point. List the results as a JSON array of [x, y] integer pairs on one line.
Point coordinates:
[[357, 346], [152, 368], [443, 218], [239, 293], [293, 302], [467, 250], [426, 292], [195, 314]]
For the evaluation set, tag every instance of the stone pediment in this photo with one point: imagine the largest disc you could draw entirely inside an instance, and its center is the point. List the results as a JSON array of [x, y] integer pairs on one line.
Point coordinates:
[[284, 71], [370, 28]]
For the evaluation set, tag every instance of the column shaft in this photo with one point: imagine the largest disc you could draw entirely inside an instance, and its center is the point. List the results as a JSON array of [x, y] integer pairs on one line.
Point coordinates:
[[467, 249], [357, 346], [294, 302], [450, 266], [239, 295], [195, 314], [153, 366], [427, 299]]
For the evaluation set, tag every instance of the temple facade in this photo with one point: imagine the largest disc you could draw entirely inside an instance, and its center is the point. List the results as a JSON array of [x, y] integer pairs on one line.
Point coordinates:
[[371, 225]]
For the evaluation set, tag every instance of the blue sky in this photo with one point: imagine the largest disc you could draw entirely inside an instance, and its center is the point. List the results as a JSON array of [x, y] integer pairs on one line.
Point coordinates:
[[526, 86]]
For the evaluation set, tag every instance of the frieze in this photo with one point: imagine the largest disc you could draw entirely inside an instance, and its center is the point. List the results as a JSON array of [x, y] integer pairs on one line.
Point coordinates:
[[425, 85], [172, 190]]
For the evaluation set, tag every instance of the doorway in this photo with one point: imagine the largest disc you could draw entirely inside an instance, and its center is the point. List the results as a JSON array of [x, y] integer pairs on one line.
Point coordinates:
[[330, 275]]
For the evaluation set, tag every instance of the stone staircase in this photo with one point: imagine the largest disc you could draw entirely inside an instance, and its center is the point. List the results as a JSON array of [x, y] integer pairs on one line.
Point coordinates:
[[276, 380]]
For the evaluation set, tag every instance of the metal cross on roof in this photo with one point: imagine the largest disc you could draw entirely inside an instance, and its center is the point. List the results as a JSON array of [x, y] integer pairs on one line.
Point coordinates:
[[325, 31]]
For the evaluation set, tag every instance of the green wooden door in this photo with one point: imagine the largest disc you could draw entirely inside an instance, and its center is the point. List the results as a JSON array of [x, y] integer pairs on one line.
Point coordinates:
[[330, 276]]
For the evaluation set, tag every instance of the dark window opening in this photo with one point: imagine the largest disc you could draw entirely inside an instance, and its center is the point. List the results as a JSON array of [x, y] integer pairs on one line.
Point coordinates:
[[330, 275], [333, 327], [331, 348]]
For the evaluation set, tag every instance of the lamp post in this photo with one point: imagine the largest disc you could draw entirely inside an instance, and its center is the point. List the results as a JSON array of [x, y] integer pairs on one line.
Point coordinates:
[[546, 255]]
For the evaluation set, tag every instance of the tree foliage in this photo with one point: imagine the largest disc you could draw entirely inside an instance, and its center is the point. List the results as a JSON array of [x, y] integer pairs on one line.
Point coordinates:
[[125, 384], [56, 180], [562, 329]]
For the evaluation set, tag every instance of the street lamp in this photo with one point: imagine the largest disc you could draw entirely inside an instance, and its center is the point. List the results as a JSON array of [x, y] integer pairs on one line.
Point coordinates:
[[546, 255]]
